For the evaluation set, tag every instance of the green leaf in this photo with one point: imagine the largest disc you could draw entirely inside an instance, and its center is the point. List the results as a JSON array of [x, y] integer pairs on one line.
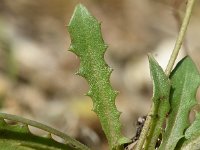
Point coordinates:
[[185, 80], [161, 106], [88, 45], [192, 135], [21, 134], [18, 137], [191, 144], [194, 128]]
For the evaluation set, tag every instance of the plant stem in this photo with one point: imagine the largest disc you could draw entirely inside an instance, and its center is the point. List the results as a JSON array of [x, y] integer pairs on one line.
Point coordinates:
[[145, 129], [65, 137], [179, 41]]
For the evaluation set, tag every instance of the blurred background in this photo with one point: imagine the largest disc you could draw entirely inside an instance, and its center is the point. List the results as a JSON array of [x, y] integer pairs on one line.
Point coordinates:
[[37, 78]]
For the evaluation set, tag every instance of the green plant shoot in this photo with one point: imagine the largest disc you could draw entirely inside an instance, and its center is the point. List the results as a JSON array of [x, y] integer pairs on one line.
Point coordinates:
[[88, 45], [185, 80]]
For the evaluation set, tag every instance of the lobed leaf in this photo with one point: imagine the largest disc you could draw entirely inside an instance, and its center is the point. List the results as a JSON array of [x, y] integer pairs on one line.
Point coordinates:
[[88, 45], [191, 144], [18, 137], [161, 90], [185, 80], [192, 135], [194, 128]]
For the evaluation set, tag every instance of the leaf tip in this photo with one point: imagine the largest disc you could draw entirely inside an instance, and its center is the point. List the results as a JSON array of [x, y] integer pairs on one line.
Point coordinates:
[[79, 11], [151, 59]]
